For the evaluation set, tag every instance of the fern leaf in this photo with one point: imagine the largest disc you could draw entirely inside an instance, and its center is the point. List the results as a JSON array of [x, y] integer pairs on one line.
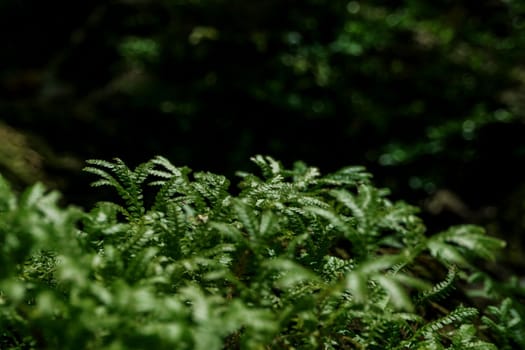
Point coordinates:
[[227, 230], [291, 273], [141, 172], [380, 263], [304, 176], [474, 239], [347, 177], [139, 238], [357, 283], [333, 218], [247, 217], [446, 253], [166, 192], [442, 289], [212, 188], [269, 166], [398, 295], [126, 182], [507, 323], [459, 315], [465, 338], [166, 164], [309, 201], [333, 267], [268, 224], [350, 202], [139, 264], [101, 163]]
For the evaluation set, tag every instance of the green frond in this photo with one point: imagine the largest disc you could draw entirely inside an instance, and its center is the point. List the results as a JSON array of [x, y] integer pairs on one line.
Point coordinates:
[[308, 201], [266, 193], [168, 167], [101, 163], [373, 271], [170, 229], [474, 239], [141, 172], [139, 264], [402, 218], [176, 222], [410, 281], [446, 253], [247, 216], [334, 268], [348, 177], [465, 338], [102, 182], [166, 193], [212, 188], [304, 176], [357, 284], [380, 263], [334, 219], [442, 289], [228, 230], [460, 315], [475, 345], [248, 181], [351, 203], [507, 323], [296, 219], [290, 273], [269, 224], [139, 236], [102, 225], [127, 183], [104, 174], [397, 294], [160, 174], [269, 166], [131, 182], [172, 181], [459, 243]]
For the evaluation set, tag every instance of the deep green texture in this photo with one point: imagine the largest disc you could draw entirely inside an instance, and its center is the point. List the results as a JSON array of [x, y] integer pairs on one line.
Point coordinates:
[[295, 260]]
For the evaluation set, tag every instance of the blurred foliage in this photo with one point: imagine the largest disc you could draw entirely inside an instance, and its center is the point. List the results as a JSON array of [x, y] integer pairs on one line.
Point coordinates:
[[178, 261], [427, 94]]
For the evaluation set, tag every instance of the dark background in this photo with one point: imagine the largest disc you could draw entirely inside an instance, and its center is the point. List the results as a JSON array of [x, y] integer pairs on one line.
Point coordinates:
[[429, 95]]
